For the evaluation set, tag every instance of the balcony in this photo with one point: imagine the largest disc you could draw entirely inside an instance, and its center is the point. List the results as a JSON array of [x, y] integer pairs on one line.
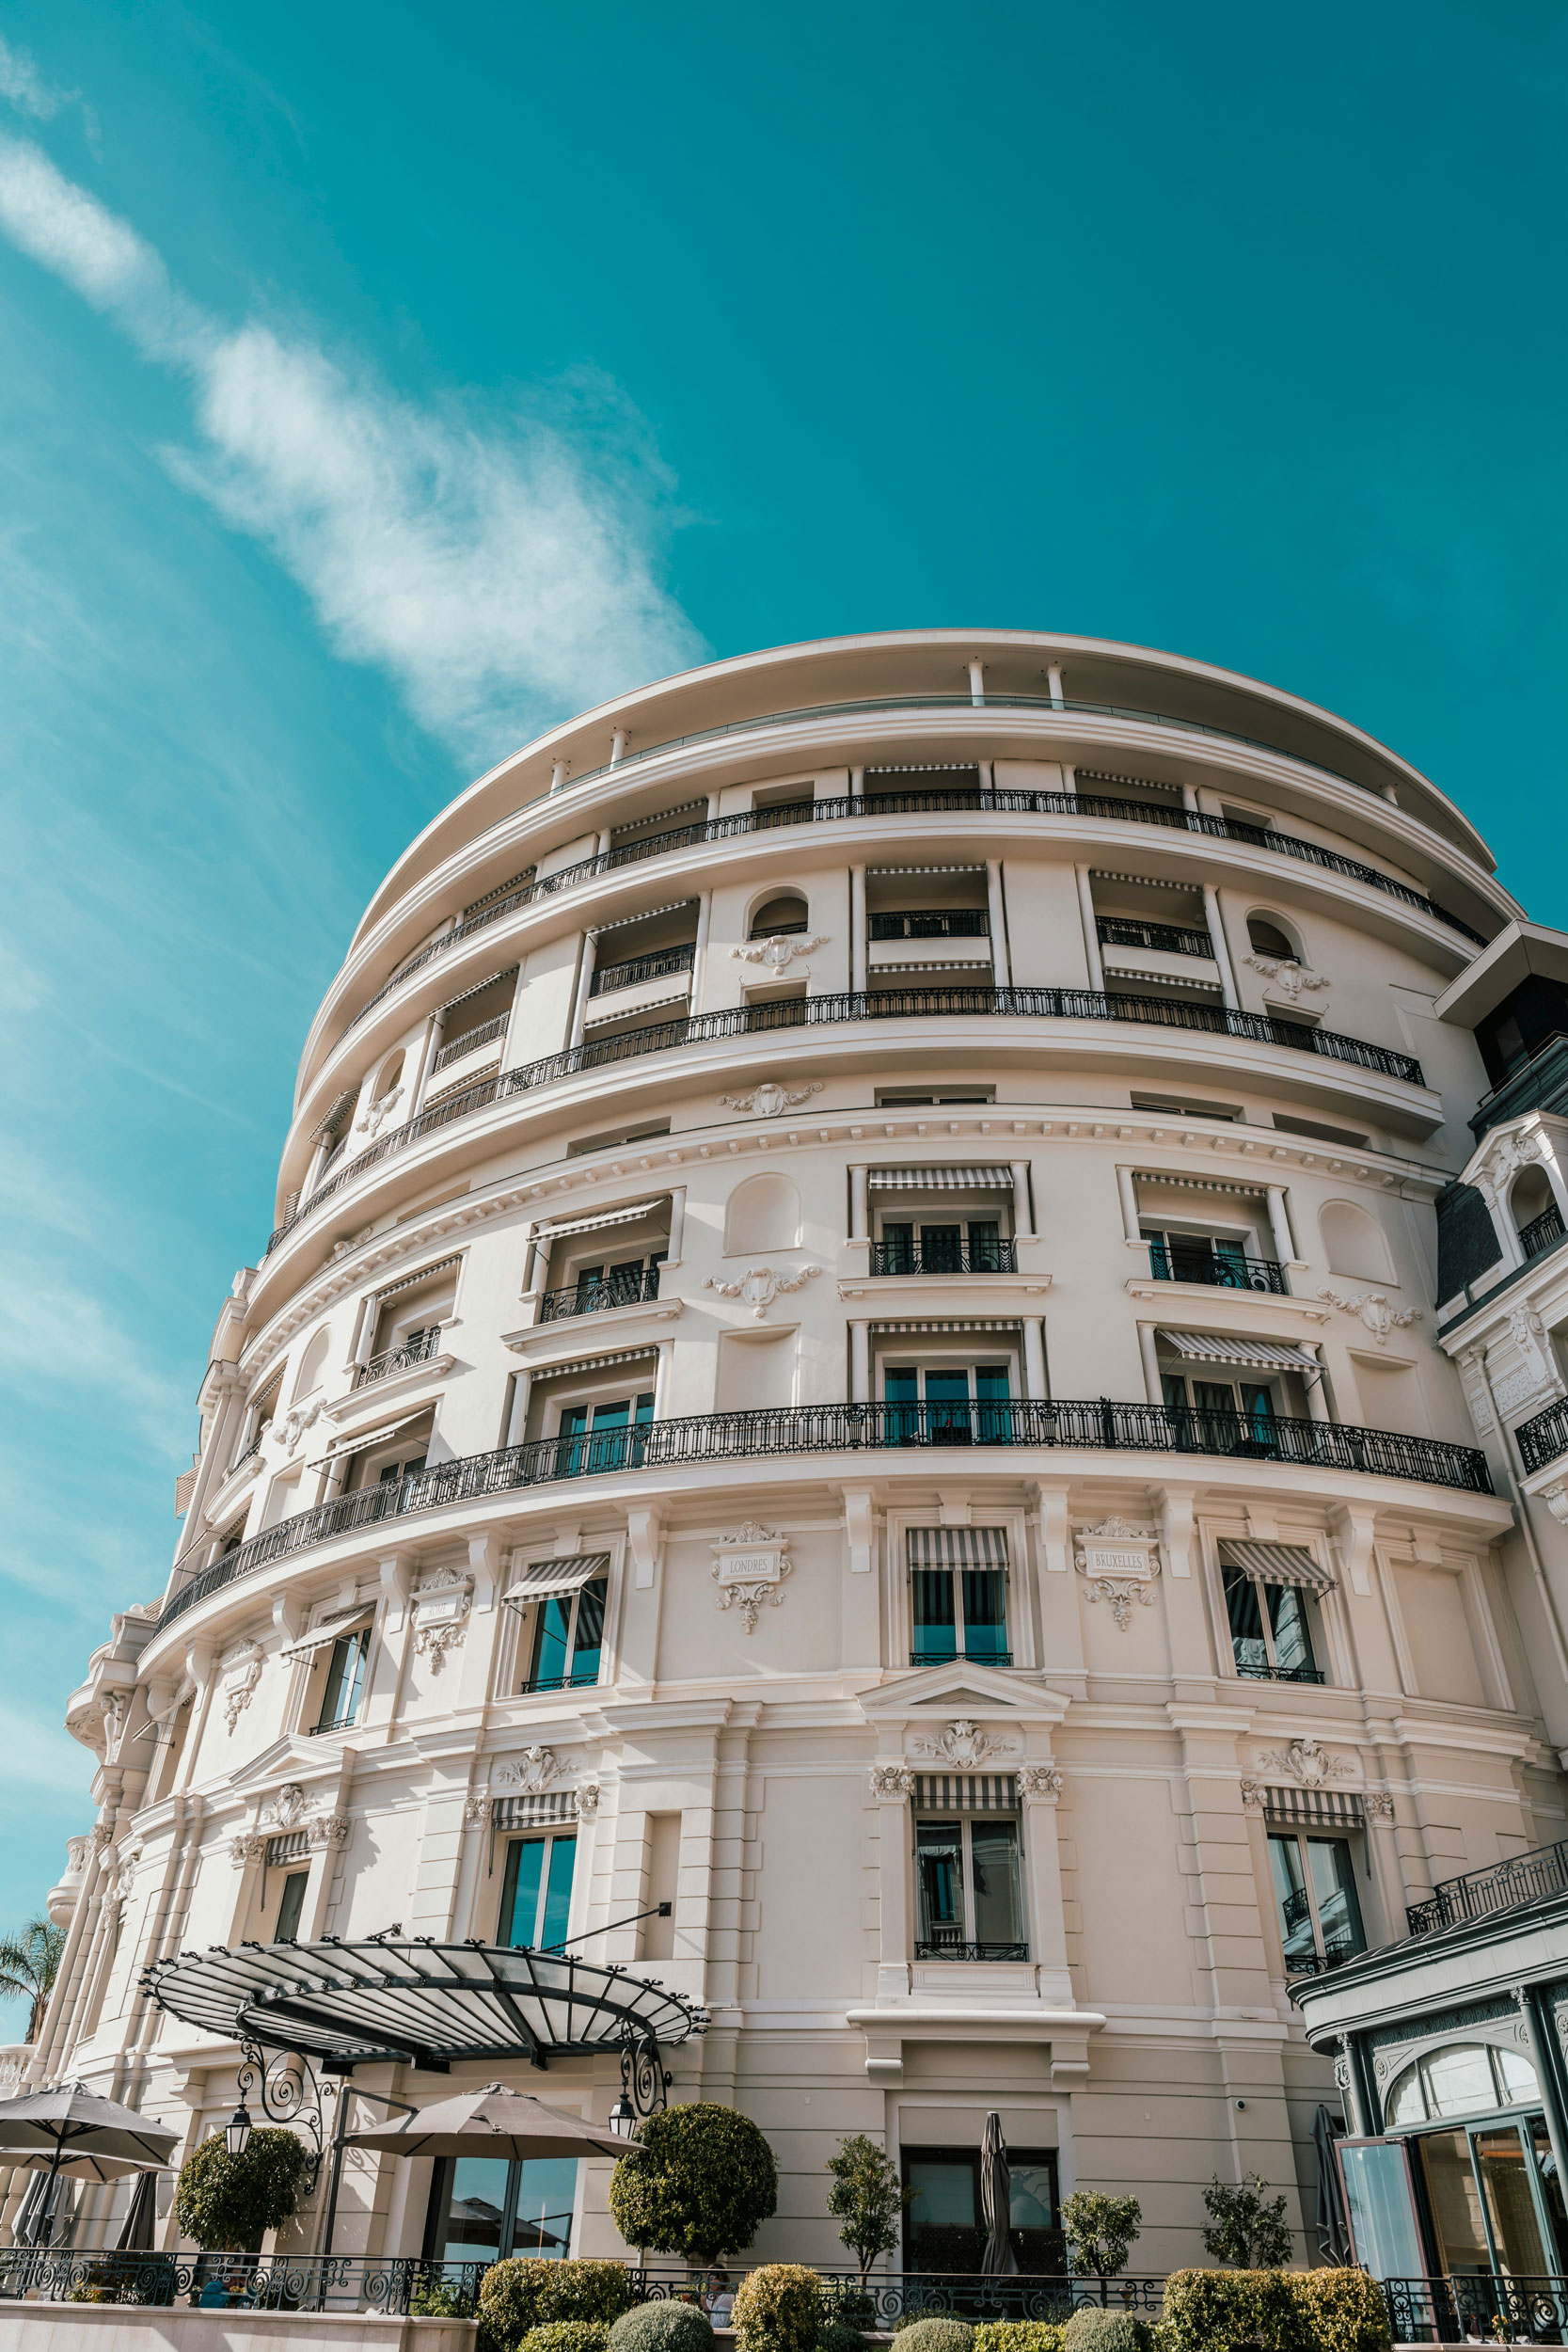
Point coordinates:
[[1251, 1673], [779, 1432], [972, 1951], [960, 1658], [1166, 939], [1525, 1878], [418, 1348], [633, 1287], [471, 1041], [611, 977], [938, 923], [891, 1004], [935, 799], [1220, 1270], [1545, 1439], [974, 1257], [1541, 1233]]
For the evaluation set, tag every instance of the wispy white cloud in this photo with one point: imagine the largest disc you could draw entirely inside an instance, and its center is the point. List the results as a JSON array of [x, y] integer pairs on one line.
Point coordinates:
[[23, 86], [503, 568]]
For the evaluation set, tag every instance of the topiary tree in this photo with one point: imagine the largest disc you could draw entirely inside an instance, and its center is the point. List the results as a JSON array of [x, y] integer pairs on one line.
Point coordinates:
[[1246, 2229], [1091, 2331], [699, 2183], [868, 2197], [672, 2327], [1100, 2230], [936, 2334], [522, 2293], [568, 2335], [778, 2309], [226, 2203]]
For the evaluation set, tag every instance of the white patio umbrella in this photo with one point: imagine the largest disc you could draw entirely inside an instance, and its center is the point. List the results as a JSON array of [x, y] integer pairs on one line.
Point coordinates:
[[494, 2121], [69, 2130]]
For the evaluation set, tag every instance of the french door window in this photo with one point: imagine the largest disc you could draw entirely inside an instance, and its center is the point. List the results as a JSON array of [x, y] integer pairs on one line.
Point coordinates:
[[484, 2209], [291, 1906], [967, 1888], [964, 1404], [619, 1285], [1270, 1632], [602, 1436], [958, 1595], [944, 2226], [1320, 1913], [1224, 1416], [568, 1639], [536, 1891], [972, 1247], [345, 1681]]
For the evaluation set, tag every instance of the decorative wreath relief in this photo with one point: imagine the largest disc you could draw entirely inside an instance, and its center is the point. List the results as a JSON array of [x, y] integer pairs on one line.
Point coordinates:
[[1374, 1312], [749, 1568], [759, 1286], [892, 1780], [240, 1672], [768, 1099], [440, 1609], [779, 952], [1291, 978], [964, 1746], [1307, 1762]]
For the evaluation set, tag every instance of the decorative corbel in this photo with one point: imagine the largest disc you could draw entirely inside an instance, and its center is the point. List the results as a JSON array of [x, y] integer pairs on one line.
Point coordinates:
[[644, 1531], [859, 1523]]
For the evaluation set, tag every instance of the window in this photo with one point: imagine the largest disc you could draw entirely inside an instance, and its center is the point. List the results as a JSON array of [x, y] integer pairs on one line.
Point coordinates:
[[624, 1284], [484, 2209], [291, 1906], [1219, 1260], [967, 1883], [1267, 939], [1225, 1416], [964, 1404], [895, 1098], [568, 1639], [1182, 1110], [945, 2229], [602, 1436], [1320, 1916], [778, 919], [389, 1473], [1463, 2078], [974, 1247], [536, 1891], [345, 1679], [957, 1596], [1270, 1632]]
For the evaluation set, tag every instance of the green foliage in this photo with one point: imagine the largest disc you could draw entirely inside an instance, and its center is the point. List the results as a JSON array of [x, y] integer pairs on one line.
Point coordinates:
[[1347, 2310], [778, 2309], [1100, 2230], [1092, 2331], [1019, 2335], [518, 2295], [1246, 2229], [675, 2326], [836, 2335], [224, 2203], [868, 2197], [568, 2335], [937, 2335], [1216, 2311], [699, 2183], [30, 1963], [439, 2299]]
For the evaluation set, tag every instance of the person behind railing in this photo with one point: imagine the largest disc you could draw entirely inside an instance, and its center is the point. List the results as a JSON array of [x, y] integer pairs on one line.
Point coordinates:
[[719, 2298]]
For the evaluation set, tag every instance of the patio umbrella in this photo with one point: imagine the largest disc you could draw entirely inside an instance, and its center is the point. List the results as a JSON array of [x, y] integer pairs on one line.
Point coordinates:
[[996, 2198], [136, 2235], [67, 2126], [1333, 2229], [494, 2121]]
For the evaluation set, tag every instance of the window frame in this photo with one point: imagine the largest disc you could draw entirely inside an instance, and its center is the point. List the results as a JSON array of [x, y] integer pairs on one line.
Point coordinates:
[[548, 1836], [969, 1945], [1273, 1672], [532, 1681], [1301, 1838], [358, 1640]]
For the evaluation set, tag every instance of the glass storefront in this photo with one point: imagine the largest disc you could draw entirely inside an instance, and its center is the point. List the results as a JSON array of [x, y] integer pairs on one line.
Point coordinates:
[[483, 2208]]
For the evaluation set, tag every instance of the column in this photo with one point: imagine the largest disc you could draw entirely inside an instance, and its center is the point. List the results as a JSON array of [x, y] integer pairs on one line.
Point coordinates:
[[977, 684], [1317, 1400], [1149, 1351], [364, 1338], [699, 955], [1039, 1785], [617, 747], [1189, 799], [434, 1030], [1550, 1162], [890, 1795], [516, 1419], [1022, 1221], [857, 783], [585, 985], [662, 1378], [860, 1361], [714, 802], [1547, 2062], [1054, 677], [859, 1217], [558, 774], [1222, 951], [998, 923], [1033, 1358], [1279, 1225], [1091, 935], [312, 1174], [513, 1019], [858, 924], [678, 1229], [1127, 1193]]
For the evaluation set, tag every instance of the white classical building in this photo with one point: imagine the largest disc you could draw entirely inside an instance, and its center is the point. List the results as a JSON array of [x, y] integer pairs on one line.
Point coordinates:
[[854, 1373]]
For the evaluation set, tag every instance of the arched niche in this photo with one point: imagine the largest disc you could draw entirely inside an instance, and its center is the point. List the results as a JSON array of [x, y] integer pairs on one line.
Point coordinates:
[[1269, 935], [777, 910], [763, 1214], [1354, 1243], [1530, 1197], [313, 1364]]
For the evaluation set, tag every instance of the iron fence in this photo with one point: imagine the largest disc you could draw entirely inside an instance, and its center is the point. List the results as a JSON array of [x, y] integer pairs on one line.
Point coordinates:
[[471, 1041], [610, 976], [932, 1257], [933, 923], [1542, 1438], [1543, 1232], [418, 1348], [889, 2297], [398, 2286], [1169, 939], [1525, 1878], [1220, 1270], [1468, 2310], [631, 1286]]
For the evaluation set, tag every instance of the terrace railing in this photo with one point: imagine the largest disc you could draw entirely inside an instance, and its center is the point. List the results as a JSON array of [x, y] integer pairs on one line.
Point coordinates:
[[1523, 1878]]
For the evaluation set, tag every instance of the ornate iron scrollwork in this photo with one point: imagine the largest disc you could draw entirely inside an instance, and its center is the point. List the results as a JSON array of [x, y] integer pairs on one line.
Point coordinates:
[[644, 2080], [290, 2094]]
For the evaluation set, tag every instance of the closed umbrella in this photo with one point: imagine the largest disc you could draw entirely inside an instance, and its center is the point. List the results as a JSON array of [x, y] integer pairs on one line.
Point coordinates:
[[996, 2201], [70, 2126], [1333, 2230], [494, 2121], [136, 2235]]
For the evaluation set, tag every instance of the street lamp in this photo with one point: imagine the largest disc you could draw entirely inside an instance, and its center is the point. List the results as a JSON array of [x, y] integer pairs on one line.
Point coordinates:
[[237, 2129], [623, 2117]]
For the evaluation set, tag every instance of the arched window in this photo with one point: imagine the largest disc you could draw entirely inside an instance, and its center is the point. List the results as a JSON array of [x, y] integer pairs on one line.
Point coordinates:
[[312, 1365], [1531, 1198], [1267, 936], [392, 1071], [783, 914], [1461, 2078], [1354, 1243], [763, 1214]]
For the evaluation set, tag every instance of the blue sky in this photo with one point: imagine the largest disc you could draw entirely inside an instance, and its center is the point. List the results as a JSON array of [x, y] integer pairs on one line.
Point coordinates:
[[380, 385]]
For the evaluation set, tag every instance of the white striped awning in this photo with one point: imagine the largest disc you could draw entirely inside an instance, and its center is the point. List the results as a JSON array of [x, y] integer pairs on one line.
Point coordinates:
[[491, 979], [536, 1811], [594, 1364], [1229, 1347], [970, 1323], [940, 1179], [671, 906], [292, 1846], [922, 869], [541, 1578], [1319, 1809], [966, 1792], [346, 1621], [1277, 1563], [439, 1266], [957, 1547], [324, 1127], [558, 1231], [356, 1444]]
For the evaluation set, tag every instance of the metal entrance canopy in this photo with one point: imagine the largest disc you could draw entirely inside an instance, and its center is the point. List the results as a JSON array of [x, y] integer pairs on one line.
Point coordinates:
[[423, 2003]]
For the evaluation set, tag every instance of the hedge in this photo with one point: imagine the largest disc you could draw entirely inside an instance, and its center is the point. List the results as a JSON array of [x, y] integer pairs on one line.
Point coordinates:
[[518, 2295], [672, 2327], [1284, 2311], [1019, 2335], [779, 2309], [1092, 2328]]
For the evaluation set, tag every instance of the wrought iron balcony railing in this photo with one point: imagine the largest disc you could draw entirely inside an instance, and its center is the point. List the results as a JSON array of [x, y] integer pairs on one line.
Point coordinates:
[[943, 1951], [1523, 1878], [1479, 2307], [1251, 1672], [889, 1004], [610, 976], [933, 923], [1220, 1270], [633, 1287], [395, 2285], [1543, 1232], [1545, 1439], [1170, 939], [778, 1431], [470, 1041], [418, 1348], [971, 1257], [934, 799], [961, 1657]]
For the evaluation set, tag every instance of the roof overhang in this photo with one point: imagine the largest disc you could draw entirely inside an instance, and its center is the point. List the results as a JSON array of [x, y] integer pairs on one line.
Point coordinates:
[[1519, 949]]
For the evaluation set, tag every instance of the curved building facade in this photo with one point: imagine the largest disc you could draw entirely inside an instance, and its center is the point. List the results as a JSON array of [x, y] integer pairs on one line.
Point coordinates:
[[849, 1409]]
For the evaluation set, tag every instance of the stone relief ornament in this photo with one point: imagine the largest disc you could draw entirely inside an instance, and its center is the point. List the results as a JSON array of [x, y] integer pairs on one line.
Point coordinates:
[[1556, 1499], [527, 1774], [778, 953], [440, 1609], [963, 1747], [1374, 1312], [749, 1568], [77, 1851], [238, 1676], [587, 1799], [1508, 1154], [374, 1117], [1291, 978], [892, 1780], [1378, 1805], [1040, 1780], [1118, 1562], [1308, 1763], [120, 1883], [1252, 1795], [290, 1430], [1531, 1375], [759, 1286], [768, 1099], [476, 1808]]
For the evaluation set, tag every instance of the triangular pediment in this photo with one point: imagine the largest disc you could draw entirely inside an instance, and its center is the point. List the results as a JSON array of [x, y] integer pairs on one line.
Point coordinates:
[[285, 1759], [961, 1688]]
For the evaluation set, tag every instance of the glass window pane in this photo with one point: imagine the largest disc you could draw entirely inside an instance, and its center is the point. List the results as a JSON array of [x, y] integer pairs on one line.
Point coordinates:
[[994, 1854], [1517, 2077], [1214, 1396], [1381, 2210], [1458, 2080], [475, 2209], [1505, 2171], [985, 1246], [289, 1910], [991, 1381], [1406, 2103], [546, 2195], [1246, 1622], [525, 1864], [941, 1247], [550, 1640], [939, 1869], [1290, 1887], [931, 1596], [1551, 2189], [588, 1634], [899, 1248], [1293, 1639], [943, 2230], [1174, 1389], [1334, 1884], [985, 1613], [1455, 2200], [557, 1891]]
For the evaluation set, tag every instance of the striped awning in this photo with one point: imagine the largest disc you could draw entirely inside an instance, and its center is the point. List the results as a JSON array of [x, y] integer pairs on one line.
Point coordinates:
[[961, 1323], [940, 1179], [1315, 1808], [340, 1447], [671, 906], [490, 980], [438, 1265], [594, 1364], [541, 1578], [346, 1621], [958, 1546], [966, 1792], [1229, 1347], [558, 1231], [1277, 1563], [291, 1847], [536, 1811]]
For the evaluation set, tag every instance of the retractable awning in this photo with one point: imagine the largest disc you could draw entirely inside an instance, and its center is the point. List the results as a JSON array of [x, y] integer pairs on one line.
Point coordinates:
[[541, 1578], [352, 1621], [548, 1228], [363, 1437], [1277, 1563], [1226, 1347], [940, 1179], [958, 1546]]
